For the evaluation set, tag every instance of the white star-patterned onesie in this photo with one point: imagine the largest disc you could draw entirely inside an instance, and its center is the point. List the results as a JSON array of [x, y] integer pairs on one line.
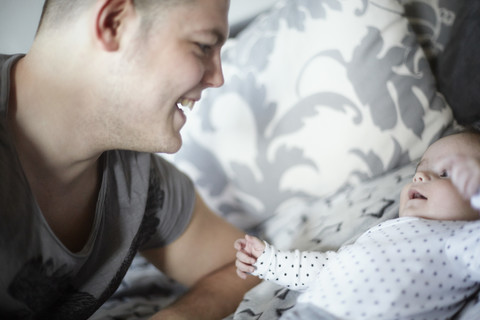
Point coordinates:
[[405, 268]]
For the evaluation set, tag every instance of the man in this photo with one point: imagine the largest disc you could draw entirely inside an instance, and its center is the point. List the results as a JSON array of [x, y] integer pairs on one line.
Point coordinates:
[[80, 190]]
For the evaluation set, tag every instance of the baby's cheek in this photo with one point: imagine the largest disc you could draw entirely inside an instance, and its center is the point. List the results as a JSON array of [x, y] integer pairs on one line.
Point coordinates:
[[403, 198], [449, 202]]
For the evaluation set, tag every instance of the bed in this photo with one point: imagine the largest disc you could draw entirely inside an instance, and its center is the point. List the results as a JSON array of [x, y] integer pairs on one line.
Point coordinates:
[[326, 108]]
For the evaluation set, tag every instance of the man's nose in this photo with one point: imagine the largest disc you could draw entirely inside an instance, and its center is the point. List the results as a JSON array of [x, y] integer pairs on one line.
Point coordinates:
[[214, 74]]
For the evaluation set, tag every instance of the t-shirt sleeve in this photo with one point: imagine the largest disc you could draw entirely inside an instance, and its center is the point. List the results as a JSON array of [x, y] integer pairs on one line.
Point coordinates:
[[171, 198]]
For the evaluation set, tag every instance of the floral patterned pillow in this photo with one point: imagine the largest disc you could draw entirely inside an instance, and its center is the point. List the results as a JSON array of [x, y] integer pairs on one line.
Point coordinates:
[[319, 95], [433, 23]]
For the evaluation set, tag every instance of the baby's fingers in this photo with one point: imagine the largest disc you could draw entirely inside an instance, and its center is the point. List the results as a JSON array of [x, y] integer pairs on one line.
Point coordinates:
[[244, 268], [464, 172], [245, 258], [241, 274], [239, 244], [467, 177]]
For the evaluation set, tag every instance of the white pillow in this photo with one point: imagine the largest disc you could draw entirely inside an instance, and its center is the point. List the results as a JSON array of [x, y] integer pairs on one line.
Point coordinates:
[[318, 95]]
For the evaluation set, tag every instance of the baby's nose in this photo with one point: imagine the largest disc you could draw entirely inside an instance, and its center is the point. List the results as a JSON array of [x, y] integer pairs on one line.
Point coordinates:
[[420, 177]]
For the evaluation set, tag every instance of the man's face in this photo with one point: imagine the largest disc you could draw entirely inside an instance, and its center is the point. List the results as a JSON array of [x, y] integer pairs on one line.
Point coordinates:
[[431, 194], [175, 61]]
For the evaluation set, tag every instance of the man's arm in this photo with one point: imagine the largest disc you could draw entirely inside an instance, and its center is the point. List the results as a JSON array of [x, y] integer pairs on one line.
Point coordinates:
[[214, 297], [203, 259]]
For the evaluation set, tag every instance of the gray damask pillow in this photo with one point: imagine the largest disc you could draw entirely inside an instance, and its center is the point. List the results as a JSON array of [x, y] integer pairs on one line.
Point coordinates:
[[318, 95], [433, 22]]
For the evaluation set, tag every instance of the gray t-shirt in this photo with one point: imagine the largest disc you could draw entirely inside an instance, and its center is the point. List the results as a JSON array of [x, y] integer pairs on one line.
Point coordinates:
[[144, 202]]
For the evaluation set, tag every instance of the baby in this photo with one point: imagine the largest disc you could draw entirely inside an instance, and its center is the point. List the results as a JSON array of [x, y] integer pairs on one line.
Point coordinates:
[[422, 265]]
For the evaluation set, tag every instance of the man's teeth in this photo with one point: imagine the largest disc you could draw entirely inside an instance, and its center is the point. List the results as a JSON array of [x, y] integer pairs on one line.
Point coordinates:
[[185, 104]]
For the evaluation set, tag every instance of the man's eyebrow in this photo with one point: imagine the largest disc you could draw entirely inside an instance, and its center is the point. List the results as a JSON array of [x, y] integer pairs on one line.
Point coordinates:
[[221, 37]]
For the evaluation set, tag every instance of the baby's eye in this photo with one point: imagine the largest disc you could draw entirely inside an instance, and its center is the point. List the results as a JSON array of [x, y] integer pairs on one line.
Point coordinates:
[[444, 174]]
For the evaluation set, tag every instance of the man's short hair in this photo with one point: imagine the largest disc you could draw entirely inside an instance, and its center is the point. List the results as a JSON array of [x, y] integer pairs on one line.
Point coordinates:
[[57, 12]]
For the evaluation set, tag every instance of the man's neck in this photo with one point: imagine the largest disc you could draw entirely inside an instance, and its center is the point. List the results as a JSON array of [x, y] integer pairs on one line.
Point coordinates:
[[49, 134], [63, 174]]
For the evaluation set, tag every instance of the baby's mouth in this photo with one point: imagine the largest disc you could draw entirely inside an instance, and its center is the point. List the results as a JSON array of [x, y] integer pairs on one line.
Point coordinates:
[[186, 105], [413, 194]]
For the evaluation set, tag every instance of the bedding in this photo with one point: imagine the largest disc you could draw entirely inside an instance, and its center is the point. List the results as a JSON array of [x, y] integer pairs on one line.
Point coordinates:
[[458, 76], [318, 95], [322, 224], [326, 107]]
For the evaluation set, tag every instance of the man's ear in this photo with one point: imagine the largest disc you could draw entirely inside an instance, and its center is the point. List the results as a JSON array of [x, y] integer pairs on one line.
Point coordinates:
[[111, 21]]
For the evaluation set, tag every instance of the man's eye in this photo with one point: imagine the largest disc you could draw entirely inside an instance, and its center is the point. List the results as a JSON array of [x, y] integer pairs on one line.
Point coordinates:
[[204, 47], [444, 174]]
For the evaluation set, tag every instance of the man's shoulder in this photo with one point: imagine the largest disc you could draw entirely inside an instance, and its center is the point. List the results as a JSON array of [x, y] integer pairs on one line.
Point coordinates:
[[6, 57], [6, 63]]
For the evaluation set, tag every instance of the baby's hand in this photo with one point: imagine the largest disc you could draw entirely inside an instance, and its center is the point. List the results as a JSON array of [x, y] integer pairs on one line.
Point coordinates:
[[464, 172], [248, 250]]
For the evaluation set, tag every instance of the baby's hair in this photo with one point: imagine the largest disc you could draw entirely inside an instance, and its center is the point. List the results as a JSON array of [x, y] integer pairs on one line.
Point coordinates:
[[473, 128]]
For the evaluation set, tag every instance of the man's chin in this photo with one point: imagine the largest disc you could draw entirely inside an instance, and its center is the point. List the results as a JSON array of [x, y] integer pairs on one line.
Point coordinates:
[[173, 145]]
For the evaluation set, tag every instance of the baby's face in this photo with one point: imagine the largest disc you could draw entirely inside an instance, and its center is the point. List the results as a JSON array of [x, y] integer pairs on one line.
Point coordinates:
[[431, 194]]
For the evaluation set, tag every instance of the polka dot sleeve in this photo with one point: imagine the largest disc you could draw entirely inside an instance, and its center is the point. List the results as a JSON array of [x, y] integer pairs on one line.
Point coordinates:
[[295, 270]]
